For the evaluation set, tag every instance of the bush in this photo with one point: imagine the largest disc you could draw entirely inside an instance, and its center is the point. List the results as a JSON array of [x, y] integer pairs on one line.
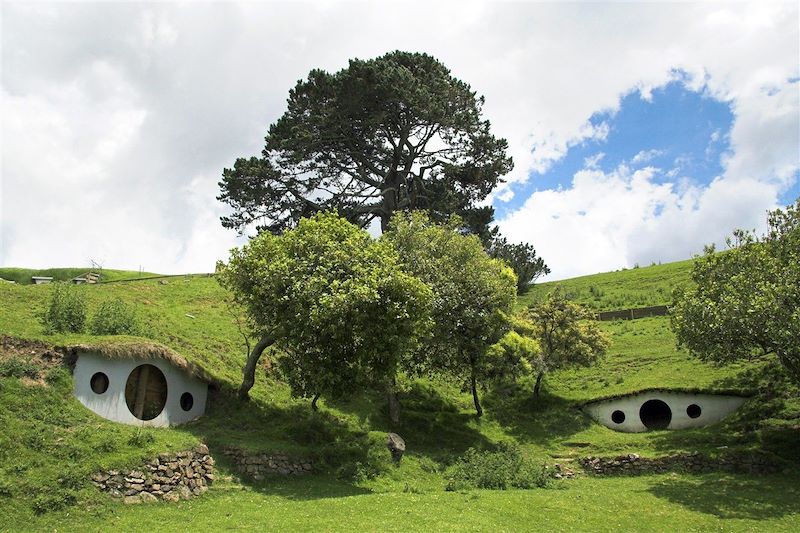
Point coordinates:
[[114, 317], [53, 501], [16, 367], [66, 312], [502, 468]]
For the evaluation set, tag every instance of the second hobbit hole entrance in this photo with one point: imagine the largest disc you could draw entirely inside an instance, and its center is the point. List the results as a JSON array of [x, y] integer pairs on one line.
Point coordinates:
[[655, 414]]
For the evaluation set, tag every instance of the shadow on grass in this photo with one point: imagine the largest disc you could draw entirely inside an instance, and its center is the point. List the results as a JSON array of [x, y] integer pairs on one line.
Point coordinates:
[[432, 424], [544, 421], [343, 446], [738, 497]]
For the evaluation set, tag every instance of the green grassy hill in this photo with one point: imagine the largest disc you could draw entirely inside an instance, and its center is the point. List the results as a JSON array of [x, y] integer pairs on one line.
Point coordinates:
[[623, 289], [49, 443], [23, 275]]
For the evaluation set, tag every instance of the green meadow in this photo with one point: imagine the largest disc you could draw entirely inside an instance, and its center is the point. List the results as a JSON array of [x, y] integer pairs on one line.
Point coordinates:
[[50, 444]]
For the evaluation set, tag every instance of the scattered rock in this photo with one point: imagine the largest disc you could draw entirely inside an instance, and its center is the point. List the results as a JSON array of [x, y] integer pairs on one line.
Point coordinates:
[[396, 445], [146, 497]]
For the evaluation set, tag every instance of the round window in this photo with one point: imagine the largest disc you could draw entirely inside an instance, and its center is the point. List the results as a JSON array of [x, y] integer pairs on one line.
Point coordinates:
[[187, 401], [694, 411], [99, 383], [146, 392], [618, 417]]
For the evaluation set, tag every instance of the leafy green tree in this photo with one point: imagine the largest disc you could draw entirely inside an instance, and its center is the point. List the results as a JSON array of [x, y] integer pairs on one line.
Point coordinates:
[[513, 356], [521, 257], [473, 294], [568, 336], [335, 303], [745, 301], [398, 132]]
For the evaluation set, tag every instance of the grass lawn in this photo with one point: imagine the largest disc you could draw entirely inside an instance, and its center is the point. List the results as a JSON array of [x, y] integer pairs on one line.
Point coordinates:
[[669, 502]]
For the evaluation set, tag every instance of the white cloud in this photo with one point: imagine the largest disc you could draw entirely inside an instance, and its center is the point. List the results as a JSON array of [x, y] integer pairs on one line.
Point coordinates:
[[118, 118], [607, 221], [645, 155]]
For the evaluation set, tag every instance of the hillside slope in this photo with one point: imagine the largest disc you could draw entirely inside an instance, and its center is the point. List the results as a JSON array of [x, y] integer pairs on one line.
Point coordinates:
[[45, 432]]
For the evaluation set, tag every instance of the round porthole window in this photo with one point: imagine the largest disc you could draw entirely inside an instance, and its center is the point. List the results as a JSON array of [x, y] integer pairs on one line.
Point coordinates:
[[146, 392], [187, 401], [99, 383], [694, 411], [618, 417]]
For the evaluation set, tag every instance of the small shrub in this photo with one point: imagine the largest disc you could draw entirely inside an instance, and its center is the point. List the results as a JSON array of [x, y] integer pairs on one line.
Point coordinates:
[[66, 312], [141, 438], [502, 468], [16, 367], [53, 501], [114, 317]]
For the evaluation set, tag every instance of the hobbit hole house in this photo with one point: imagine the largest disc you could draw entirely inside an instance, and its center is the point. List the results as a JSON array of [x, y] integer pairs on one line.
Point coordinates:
[[145, 391]]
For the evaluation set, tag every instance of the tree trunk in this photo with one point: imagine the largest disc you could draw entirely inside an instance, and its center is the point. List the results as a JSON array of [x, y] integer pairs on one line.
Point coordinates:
[[538, 386], [394, 404], [249, 370], [314, 402], [478, 408]]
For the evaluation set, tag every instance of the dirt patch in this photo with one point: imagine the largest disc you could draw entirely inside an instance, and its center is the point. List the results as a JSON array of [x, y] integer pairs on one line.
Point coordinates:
[[39, 354]]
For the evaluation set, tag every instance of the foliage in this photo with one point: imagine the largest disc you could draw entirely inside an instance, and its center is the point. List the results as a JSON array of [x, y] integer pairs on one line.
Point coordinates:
[[337, 303], [66, 312], [17, 367], [473, 294], [503, 468], [747, 299], [114, 317], [521, 257], [567, 334], [398, 132], [515, 355]]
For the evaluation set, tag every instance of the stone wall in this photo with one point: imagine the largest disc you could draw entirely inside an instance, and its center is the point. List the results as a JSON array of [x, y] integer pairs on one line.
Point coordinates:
[[259, 465], [169, 477], [694, 462]]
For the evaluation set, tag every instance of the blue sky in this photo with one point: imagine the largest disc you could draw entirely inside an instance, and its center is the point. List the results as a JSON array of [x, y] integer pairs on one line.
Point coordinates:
[[683, 133]]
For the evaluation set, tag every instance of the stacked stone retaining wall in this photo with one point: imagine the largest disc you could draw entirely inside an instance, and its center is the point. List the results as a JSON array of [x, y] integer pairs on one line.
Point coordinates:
[[695, 462], [259, 465], [170, 477]]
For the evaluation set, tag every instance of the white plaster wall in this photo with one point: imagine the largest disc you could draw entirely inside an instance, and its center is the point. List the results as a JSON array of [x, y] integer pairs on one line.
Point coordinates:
[[111, 404], [714, 407]]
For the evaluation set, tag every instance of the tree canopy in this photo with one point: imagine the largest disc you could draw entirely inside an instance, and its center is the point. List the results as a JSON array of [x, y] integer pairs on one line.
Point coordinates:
[[522, 259], [335, 301], [745, 301], [397, 132], [567, 335], [473, 294]]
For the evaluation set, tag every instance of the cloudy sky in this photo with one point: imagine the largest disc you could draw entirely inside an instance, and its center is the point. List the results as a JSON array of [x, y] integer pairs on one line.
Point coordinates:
[[640, 132]]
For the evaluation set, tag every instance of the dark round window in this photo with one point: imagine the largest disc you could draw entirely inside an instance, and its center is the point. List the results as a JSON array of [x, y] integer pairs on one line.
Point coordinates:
[[618, 417], [694, 411], [146, 392], [187, 401], [99, 383], [655, 414]]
